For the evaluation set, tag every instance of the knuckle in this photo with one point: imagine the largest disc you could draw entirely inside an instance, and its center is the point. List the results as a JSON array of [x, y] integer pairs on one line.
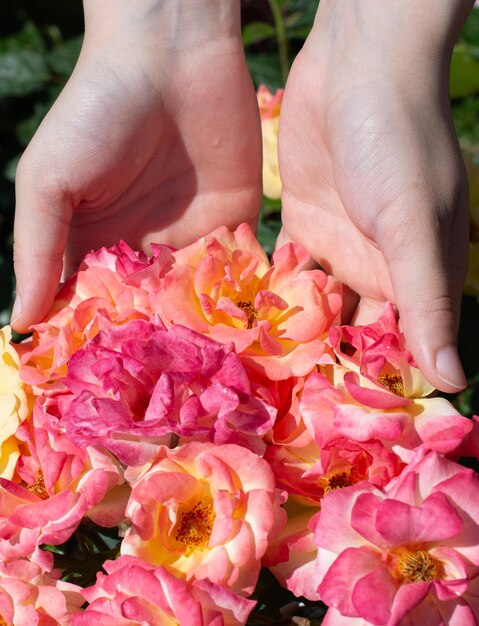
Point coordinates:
[[39, 174], [441, 307]]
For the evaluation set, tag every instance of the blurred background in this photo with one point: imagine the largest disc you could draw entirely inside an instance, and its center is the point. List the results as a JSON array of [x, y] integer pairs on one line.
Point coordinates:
[[40, 41]]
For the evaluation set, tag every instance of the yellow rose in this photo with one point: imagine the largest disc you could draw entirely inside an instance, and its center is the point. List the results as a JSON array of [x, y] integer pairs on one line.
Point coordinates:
[[15, 402], [269, 108]]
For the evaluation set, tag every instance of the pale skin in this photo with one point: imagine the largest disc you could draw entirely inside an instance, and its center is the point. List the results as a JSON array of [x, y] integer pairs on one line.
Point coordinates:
[[156, 138]]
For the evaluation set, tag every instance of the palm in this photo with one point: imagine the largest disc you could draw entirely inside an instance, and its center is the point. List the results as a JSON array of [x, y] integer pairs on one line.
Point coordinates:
[[313, 211], [354, 185], [163, 162]]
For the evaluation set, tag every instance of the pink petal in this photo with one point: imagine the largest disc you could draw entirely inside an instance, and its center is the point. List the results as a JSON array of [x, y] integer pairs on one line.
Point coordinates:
[[373, 595], [372, 397], [337, 587], [435, 520]]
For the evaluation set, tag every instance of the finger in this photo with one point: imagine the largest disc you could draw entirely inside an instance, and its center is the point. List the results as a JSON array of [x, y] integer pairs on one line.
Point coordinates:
[[42, 218], [427, 261], [351, 300], [282, 239], [368, 311]]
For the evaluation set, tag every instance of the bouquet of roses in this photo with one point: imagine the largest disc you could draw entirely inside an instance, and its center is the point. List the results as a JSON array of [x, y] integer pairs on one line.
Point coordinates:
[[187, 418]]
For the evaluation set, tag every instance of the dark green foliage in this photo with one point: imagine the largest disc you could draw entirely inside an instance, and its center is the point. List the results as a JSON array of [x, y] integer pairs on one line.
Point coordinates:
[[265, 68]]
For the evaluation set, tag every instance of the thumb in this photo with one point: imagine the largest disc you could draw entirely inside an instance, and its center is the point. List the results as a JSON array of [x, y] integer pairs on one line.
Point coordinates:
[[42, 219], [427, 261]]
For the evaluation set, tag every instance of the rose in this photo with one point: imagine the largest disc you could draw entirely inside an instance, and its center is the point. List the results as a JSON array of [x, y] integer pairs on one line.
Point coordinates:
[[16, 401], [137, 593], [269, 108], [135, 386], [111, 287], [277, 316], [204, 511], [30, 597], [56, 484], [407, 554]]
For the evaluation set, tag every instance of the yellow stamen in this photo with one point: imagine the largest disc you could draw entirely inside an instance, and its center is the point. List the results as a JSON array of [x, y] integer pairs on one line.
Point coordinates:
[[418, 566], [38, 489], [195, 526], [3, 622], [337, 481], [393, 382], [250, 311]]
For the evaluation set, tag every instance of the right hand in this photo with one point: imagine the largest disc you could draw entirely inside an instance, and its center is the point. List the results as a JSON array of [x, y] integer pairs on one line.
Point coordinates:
[[373, 181]]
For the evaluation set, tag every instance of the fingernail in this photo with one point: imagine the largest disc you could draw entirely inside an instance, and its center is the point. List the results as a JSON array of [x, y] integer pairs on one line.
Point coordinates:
[[449, 368], [16, 311]]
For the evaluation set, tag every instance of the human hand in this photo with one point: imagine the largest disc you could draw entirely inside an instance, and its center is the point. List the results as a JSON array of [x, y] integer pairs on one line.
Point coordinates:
[[373, 181], [156, 137]]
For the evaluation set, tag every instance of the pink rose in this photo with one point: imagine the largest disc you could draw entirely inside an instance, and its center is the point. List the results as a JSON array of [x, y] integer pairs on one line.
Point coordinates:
[[277, 316], [30, 597], [309, 472], [405, 555], [111, 287], [269, 109], [204, 511], [135, 386], [55, 486], [340, 402], [285, 395], [378, 352], [269, 103], [135, 593], [291, 555]]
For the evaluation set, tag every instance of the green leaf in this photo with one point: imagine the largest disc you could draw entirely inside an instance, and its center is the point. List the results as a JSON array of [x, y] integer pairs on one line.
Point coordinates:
[[62, 58], [22, 72], [271, 206], [27, 128], [29, 38], [466, 118], [470, 31], [268, 233], [302, 6], [464, 78], [255, 32], [265, 69], [300, 19]]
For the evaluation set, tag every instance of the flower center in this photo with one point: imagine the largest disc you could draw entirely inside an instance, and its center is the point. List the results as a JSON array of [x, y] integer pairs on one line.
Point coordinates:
[[38, 489], [338, 481], [418, 566], [393, 382], [251, 312], [194, 526], [3, 622]]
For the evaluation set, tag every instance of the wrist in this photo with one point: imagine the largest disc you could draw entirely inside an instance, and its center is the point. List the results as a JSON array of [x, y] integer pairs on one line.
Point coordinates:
[[165, 24], [369, 39]]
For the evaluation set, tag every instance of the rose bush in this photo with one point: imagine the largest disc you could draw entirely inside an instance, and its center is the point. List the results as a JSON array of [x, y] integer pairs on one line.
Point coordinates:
[[187, 419]]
